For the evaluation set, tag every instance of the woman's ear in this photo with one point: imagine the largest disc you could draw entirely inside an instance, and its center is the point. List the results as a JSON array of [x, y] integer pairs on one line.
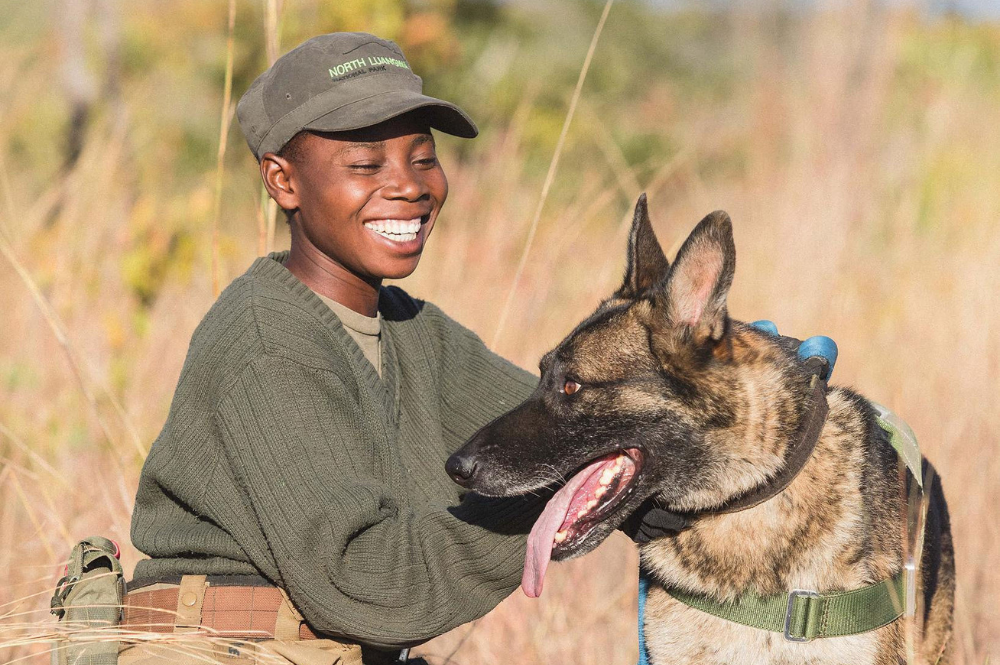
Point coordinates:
[[278, 176]]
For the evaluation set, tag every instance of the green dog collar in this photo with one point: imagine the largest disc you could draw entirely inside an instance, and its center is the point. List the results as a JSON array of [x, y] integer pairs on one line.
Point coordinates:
[[803, 616]]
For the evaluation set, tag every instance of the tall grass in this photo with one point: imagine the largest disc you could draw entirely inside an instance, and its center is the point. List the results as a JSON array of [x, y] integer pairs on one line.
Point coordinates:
[[856, 151]]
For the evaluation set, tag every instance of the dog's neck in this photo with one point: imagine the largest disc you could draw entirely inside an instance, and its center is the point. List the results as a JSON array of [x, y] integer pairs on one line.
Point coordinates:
[[816, 533], [796, 454]]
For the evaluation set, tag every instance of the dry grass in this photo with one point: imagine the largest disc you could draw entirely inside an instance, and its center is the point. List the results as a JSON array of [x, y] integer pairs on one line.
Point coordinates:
[[862, 180]]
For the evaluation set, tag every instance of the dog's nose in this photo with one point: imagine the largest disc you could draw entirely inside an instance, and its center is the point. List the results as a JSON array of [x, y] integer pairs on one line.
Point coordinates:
[[461, 468]]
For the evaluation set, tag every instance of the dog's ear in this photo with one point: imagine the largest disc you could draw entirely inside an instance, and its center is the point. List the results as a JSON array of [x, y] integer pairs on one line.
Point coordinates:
[[699, 281], [647, 266]]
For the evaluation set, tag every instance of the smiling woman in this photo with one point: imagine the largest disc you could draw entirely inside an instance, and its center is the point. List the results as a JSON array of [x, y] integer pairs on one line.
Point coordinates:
[[299, 478]]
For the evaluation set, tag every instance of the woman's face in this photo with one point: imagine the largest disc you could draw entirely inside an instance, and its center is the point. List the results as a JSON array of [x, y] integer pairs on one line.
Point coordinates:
[[368, 198]]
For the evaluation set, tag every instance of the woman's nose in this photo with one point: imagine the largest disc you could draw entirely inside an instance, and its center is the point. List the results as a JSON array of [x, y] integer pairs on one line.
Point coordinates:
[[406, 183]]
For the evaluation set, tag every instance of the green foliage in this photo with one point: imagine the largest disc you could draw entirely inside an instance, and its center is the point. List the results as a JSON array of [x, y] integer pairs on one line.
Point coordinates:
[[156, 254], [17, 375]]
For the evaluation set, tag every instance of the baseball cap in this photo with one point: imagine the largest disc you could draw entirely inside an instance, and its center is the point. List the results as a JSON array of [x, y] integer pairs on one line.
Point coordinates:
[[338, 82]]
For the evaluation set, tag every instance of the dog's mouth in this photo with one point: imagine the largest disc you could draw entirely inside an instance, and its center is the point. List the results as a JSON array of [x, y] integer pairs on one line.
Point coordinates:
[[589, 497]]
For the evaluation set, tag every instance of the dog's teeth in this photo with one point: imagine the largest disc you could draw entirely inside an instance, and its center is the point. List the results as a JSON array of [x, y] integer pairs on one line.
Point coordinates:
[[600, 491], [591, 504], [560, 536], [607, 476], [583, 511]]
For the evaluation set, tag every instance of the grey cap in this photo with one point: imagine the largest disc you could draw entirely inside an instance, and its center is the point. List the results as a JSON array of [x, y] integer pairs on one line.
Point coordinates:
[[338, 82]]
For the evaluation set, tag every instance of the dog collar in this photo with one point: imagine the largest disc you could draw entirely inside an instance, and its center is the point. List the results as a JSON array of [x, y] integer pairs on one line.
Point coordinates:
[[807, 435]]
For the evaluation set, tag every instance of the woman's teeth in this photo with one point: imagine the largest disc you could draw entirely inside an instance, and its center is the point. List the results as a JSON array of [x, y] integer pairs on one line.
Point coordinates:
[[398, 230]]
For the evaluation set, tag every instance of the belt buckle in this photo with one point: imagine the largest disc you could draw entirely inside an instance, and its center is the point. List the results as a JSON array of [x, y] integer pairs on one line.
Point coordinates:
[[792, 595], [404, 656]]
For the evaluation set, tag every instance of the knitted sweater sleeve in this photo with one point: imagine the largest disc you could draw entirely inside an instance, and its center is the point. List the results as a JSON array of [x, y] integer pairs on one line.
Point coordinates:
[[355, 561], [477, 385]]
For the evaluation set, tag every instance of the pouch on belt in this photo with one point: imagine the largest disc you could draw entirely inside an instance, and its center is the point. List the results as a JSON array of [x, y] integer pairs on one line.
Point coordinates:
[[88, 602]]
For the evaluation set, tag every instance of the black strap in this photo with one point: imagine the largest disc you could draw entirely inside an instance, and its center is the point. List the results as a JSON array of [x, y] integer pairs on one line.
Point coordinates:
[[795, 458]]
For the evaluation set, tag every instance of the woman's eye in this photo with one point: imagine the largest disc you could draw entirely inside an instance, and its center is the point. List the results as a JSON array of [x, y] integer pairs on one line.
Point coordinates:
[[428, 161], [570, 387], [365, 166]]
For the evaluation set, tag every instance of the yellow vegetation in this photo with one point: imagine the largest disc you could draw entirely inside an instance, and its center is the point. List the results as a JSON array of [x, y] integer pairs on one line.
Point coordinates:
[[858, 152]]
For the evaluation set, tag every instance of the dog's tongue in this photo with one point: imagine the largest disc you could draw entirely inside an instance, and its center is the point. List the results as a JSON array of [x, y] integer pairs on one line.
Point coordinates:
[[543, 533]]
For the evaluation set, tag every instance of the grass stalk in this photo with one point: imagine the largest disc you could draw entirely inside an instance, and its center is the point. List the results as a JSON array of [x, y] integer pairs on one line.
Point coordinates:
[[261, 215], [59, 331], [220, 159], [35, 457], [272, 39], [29, 511], [550, 176], [272, 30], [8, 196]]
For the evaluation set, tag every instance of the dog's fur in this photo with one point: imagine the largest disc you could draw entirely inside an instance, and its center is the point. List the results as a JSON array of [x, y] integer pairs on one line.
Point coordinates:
[[713, 404]]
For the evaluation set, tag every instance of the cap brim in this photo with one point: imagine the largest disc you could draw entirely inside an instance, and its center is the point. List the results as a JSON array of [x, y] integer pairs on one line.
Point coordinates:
[[440, 115]]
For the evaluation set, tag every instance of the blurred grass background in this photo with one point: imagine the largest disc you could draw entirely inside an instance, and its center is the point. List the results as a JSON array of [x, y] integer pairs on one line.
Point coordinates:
[[856, 146]]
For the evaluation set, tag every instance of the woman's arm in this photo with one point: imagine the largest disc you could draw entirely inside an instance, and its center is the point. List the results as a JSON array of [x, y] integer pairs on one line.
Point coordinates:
[[355, 560]]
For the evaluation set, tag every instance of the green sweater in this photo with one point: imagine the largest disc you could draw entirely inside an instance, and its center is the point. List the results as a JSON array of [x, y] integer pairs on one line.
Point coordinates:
[[285, 455]]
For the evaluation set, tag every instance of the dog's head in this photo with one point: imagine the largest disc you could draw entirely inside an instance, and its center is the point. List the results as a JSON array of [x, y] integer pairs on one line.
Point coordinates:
[[657, 393]]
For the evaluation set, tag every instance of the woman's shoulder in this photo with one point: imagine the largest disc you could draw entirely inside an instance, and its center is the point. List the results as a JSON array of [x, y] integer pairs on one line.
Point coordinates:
[[265, 311], [420, 323]]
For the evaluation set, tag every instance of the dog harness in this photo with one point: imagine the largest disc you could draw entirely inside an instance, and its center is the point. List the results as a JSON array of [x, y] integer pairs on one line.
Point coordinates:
[[803, 615]]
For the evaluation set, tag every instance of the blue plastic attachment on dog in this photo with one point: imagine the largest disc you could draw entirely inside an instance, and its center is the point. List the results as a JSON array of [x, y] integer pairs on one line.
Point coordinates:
[[820, 346], [766, 326]]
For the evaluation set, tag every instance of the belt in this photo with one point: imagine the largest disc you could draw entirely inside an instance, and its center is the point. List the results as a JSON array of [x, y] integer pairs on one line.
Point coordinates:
[[246, 612]]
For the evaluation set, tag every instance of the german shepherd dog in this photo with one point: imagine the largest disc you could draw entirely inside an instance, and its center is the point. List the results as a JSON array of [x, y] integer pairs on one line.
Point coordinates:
[[659, 395]]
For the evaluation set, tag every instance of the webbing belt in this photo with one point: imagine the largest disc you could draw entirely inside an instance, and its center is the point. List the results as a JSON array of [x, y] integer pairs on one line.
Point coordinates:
[[806, 615], [246, 612]]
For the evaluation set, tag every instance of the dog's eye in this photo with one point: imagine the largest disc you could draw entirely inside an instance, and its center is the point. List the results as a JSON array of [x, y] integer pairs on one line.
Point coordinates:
[[570, 387]]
